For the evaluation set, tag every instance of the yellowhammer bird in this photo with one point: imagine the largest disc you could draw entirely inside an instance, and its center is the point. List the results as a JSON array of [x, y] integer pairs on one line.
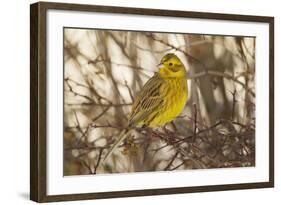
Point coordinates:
[[161, 99]]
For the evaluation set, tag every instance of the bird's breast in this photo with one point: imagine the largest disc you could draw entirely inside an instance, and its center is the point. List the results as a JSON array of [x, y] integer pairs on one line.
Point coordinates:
[[176, 92]]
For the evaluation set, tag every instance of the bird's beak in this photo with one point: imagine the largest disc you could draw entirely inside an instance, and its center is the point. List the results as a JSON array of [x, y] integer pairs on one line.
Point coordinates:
[[160, 65]]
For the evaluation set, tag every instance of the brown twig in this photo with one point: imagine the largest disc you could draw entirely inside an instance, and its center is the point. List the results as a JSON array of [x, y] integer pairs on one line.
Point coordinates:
[[98, 162], [83, 133], [190, 57], [129, 90], [78, 94], [219, 74], [195, 122], [87, 165], [233, 103], [171, 162]]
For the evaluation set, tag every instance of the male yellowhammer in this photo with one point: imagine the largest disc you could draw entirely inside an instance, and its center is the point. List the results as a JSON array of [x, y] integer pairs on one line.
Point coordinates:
[[161, 99]]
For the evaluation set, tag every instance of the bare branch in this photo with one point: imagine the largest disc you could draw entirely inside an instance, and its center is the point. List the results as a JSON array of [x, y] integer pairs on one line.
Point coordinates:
[[219, 74]]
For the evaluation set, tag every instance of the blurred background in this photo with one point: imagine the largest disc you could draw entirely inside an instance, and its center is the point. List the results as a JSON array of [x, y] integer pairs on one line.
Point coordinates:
[[104, 70]]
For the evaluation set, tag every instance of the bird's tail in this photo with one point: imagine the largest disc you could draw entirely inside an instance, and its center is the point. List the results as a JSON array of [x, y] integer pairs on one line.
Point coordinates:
[[118, 141]]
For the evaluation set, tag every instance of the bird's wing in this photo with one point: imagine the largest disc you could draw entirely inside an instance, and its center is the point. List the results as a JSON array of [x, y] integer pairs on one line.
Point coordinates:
[[148, 99]]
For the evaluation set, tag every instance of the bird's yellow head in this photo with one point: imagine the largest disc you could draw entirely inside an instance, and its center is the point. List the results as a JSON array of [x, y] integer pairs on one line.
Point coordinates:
[[171, 67]]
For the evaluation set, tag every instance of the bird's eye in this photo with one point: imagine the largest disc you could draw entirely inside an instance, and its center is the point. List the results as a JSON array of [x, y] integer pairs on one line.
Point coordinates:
[[170, 64]]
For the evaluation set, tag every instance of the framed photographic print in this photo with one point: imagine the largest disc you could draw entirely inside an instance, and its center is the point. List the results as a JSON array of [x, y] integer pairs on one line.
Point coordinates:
[[133, 102]]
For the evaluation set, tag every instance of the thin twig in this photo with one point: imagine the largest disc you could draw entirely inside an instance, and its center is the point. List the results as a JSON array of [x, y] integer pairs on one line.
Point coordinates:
[[129, 90], [190, 57], [220, 74], [233, 103], [78, 94], [195, 123], [98, 162], [88, 166], [171, 162]]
